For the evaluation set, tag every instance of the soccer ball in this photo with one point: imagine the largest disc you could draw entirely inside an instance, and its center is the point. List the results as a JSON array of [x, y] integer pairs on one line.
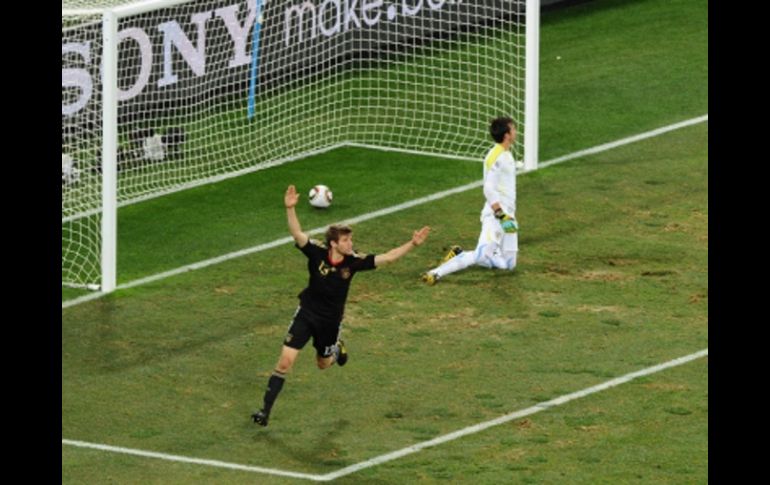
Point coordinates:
[[320, 196]]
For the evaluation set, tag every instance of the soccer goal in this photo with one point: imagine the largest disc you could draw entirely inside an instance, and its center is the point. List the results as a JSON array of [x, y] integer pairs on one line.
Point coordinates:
[[163, 95]]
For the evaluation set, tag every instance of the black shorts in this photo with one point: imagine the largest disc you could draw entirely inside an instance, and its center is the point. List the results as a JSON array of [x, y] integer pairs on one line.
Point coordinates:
[[305, 324]]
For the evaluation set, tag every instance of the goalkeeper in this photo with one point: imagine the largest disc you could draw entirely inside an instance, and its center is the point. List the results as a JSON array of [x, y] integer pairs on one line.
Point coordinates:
[[499, 239], [319, 314]]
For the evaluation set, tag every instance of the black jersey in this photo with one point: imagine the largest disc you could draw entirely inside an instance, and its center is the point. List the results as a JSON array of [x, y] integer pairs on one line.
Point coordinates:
[[327, 289]]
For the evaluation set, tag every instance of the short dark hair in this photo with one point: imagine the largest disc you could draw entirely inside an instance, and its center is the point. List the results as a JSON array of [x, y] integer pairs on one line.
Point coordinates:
[[499, 127], [334, 232]]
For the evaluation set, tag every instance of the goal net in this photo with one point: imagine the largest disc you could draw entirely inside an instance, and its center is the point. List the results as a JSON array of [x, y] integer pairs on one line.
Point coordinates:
[[212, 89]]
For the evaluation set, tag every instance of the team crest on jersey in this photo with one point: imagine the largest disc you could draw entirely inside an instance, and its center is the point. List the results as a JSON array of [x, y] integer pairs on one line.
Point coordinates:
[[324, 269], [345, 273]]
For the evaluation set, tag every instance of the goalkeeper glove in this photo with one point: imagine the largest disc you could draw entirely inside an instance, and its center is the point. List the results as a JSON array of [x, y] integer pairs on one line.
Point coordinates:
[[507, 222]]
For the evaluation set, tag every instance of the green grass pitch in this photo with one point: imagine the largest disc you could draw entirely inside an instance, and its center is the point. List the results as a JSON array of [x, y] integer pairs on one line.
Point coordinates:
[[612, 278]]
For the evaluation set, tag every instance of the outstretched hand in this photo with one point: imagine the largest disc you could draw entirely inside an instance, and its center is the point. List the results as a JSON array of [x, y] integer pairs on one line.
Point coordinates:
[[291, 198], [419, 237]]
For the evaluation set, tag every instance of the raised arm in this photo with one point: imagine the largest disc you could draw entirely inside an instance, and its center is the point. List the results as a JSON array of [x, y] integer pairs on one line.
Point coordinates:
[[290, 201], [418, 237]]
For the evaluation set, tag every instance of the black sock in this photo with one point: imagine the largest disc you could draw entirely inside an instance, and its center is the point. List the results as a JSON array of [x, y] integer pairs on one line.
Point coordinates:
[[274, 385]]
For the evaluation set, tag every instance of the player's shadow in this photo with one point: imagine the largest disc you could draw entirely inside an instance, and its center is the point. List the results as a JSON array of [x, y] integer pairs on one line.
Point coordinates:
[[322, 450]]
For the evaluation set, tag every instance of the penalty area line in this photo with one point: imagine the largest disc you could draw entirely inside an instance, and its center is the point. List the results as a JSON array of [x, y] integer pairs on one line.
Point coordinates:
[[378, 460], [187, 459], [510, 417]]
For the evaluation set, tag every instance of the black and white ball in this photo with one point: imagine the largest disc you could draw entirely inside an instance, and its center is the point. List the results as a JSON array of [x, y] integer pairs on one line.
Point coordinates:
[[320, 196]]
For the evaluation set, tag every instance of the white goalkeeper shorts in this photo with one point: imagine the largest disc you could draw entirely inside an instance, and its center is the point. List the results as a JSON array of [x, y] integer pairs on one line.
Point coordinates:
[[496, 248]]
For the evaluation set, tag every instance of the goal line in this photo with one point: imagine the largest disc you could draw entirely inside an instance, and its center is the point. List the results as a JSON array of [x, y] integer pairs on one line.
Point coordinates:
[[382, 212]]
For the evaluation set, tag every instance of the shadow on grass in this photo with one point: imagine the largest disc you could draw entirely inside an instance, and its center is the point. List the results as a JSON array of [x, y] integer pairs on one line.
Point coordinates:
[[321, 450]]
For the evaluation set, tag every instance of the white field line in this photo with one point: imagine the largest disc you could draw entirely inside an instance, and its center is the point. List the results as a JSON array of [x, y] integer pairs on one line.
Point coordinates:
[[272, 244], [409, 449], [625, 141], [382, 212], [185, 459], [515, 415]]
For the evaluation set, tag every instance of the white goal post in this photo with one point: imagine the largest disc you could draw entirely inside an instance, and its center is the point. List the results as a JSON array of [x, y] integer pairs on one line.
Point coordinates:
[[163, 95]]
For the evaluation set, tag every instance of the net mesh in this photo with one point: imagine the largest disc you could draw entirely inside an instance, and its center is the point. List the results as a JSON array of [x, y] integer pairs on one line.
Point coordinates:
[[210, 88]]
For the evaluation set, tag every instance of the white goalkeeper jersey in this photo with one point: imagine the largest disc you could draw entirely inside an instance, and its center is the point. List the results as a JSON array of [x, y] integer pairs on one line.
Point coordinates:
[[499, 181]]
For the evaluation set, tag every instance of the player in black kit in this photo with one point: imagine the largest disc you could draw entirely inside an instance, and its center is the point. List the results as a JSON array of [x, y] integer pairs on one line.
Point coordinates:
[[322, 303]]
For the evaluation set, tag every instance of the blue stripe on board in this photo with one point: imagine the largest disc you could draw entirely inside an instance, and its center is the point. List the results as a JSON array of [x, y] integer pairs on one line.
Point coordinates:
[[254, 58]]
